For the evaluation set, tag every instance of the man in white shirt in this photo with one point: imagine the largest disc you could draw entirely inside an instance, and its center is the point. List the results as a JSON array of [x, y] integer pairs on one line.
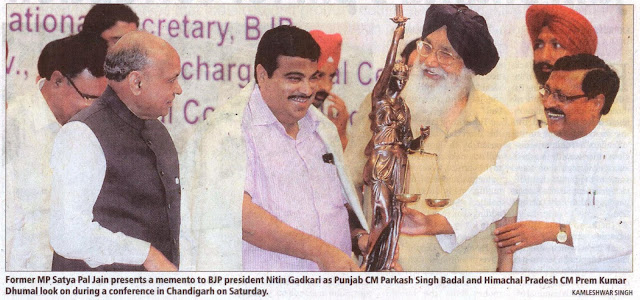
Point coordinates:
[[70, 77], [573, 181], [115, 199]]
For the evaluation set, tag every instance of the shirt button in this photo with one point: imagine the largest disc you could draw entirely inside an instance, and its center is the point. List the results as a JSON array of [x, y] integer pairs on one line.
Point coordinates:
[[149, 142], [161, 173], [169, 205]]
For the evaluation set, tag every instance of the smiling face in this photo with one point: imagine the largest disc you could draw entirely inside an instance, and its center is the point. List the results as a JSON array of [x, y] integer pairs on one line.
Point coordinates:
[[574, 119], [288, 92], [434, 68], [546, 50]]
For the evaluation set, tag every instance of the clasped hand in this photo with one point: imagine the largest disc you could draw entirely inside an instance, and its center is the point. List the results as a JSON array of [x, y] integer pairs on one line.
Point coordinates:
[[524, 234]]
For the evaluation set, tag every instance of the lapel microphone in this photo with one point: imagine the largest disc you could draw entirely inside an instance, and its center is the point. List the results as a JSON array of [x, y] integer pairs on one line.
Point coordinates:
[[328, 158]]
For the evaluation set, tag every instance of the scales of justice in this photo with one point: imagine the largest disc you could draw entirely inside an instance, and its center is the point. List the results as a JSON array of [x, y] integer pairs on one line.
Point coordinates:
[[387, 167]]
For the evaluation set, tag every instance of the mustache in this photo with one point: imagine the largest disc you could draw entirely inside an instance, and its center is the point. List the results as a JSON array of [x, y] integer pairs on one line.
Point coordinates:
[[553, 110], [542, 76], [437, 71]]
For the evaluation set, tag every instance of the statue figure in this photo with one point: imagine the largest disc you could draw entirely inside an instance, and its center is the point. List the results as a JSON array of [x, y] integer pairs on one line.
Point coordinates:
[[387, 166]]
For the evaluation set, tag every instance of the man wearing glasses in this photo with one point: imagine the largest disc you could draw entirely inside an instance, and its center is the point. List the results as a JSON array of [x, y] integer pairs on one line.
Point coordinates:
[[467, 130], [573, 182], [70, 77]]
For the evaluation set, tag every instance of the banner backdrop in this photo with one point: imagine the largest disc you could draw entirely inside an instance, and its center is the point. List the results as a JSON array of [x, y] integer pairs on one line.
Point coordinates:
[[217, 45]]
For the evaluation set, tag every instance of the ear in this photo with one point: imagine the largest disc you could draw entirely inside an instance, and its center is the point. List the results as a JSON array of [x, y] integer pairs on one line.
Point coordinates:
[[134, 79], [261, 73], [57, 78], [598, 102]]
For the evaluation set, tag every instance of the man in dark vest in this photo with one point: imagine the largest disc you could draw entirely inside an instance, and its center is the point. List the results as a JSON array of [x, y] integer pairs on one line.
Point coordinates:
[[115, 201]]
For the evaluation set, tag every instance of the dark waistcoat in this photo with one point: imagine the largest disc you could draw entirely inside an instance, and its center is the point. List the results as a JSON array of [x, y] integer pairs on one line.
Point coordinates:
[[140, 194]]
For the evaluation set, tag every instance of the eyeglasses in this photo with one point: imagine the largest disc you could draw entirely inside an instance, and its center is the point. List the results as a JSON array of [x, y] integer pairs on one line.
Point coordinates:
[[546, 92], [444, 58], [83, 95]]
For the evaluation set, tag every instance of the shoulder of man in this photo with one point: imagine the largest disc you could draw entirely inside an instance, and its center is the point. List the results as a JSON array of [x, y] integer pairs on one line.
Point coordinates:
[[494, 116], [615, 136]]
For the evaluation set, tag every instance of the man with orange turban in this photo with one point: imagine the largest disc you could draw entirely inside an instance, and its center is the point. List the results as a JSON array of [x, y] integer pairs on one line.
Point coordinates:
[[555, 31], [330, 46]]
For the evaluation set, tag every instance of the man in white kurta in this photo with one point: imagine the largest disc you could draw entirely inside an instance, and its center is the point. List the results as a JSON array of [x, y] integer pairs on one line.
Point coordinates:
[[70, 74], [31, 129], [585, 183], [573, 182]]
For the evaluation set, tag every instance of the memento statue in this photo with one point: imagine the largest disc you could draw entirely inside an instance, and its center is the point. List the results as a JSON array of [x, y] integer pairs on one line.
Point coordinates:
[[387, 166]]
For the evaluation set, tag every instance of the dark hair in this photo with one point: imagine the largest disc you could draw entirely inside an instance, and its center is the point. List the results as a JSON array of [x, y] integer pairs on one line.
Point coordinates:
[[600, 79], [408, 49], [284, 40], [71, 55], [103, 16]]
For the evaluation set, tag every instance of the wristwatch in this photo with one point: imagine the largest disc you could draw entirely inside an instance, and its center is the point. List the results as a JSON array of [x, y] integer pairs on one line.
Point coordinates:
[[561, 237]]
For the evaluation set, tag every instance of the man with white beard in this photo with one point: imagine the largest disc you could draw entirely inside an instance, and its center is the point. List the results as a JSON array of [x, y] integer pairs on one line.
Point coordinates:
[[468, 128]]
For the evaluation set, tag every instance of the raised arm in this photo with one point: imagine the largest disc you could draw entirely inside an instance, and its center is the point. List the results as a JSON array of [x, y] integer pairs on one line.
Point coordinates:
[[383, 82]]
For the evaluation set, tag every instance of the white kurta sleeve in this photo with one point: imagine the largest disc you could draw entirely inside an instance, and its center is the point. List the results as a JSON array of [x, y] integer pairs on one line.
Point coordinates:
[[486, 201], [79, 167]]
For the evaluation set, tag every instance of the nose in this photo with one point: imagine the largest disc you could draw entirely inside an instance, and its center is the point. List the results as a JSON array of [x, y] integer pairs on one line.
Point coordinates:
[[308, 87], [325, 84], [178, 89], [545, 54], [549, 101], [430, 60]]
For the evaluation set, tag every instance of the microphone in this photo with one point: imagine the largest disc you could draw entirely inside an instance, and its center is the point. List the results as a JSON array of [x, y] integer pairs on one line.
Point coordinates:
[[328, 158]]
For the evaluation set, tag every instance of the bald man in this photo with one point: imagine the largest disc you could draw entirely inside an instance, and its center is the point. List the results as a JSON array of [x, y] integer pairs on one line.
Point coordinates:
[[115, 202]]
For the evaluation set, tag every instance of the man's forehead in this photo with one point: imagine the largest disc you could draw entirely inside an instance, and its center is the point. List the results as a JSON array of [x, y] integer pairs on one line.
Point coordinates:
[[296, 63]]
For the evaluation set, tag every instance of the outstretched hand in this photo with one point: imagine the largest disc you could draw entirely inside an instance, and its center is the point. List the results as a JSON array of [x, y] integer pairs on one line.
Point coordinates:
[[413, 222]]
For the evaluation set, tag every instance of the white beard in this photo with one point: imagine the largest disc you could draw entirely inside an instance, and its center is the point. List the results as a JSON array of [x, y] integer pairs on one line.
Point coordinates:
[[429, 100]]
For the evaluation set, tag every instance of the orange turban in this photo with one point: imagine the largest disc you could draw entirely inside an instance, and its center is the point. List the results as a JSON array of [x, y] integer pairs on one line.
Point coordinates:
[[330, 45], [572, 30]]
